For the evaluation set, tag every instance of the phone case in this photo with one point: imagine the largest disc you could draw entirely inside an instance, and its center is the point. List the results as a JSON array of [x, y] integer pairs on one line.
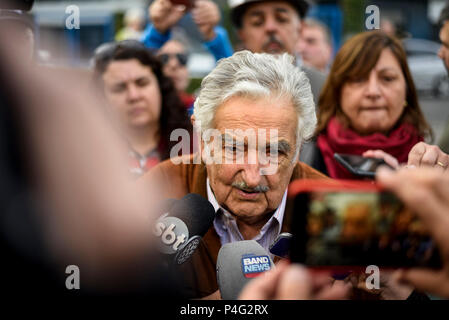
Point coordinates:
[[352, 232], [353, 170]]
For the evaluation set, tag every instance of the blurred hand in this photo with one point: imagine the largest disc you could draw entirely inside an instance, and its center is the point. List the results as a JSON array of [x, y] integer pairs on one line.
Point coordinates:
[[164, 15], [390, 287], [423, 154], [380, 154], [292, 282], [206, 15], [426, 192]]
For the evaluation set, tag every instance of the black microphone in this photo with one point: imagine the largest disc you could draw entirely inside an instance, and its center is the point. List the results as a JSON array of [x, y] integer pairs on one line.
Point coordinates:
[[238, 263], [180, 229]]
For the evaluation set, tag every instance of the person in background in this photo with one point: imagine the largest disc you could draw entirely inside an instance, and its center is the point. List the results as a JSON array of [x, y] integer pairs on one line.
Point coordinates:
[[206, 15], [143, 101], [274, 27], [134, 20], [315, 45], [174, 57], [369, 102]]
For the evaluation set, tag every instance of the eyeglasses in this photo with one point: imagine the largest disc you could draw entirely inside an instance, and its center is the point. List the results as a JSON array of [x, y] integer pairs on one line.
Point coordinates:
[[181, 57]]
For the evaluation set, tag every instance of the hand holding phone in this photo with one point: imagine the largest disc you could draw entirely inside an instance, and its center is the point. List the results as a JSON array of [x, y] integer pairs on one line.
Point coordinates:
[[187, 3], [349, 226], [165, 14]]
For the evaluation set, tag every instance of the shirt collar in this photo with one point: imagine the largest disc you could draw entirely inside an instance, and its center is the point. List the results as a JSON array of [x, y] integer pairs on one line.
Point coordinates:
[[278, 214]]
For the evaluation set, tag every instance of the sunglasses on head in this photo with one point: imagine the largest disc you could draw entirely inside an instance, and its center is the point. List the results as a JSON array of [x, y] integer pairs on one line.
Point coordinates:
[[107, 50], [181, 57]]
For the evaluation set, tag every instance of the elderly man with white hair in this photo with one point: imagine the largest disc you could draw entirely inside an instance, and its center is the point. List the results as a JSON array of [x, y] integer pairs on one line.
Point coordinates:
[[253, 113]]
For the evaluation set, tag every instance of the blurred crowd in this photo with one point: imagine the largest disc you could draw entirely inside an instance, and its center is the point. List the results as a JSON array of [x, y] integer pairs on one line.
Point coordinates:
[[102, 144]]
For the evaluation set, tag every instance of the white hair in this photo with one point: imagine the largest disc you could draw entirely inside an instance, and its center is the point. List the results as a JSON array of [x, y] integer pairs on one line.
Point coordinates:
[[257, 75]]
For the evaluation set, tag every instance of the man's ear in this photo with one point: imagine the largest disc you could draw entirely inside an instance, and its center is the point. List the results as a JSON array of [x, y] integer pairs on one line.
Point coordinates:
[[197, 138]]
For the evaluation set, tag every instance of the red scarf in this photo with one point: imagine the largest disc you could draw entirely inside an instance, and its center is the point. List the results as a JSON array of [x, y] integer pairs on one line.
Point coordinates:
[[337, 139]]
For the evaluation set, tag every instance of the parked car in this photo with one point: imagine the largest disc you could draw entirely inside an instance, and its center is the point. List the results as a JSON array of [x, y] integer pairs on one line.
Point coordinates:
[[427, 68]]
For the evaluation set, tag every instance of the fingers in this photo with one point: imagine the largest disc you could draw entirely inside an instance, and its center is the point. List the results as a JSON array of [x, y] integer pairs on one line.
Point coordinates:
[[164, 14], [338, 291], [295, 284], [436, 282], [415, 155], [442, 161], [423, 154], [264, 287], [425, 192], [430, 156], [205, 12], [380, 154]]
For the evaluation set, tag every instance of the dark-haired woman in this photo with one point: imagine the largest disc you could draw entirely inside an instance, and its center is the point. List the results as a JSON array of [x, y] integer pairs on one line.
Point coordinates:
[[144, 101]]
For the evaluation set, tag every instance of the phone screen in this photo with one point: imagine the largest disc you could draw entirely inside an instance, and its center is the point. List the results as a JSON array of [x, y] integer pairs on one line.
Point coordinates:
[[348, 228]]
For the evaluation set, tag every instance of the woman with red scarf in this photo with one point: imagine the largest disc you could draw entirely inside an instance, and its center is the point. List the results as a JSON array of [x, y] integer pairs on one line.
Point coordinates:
[[368, 103]]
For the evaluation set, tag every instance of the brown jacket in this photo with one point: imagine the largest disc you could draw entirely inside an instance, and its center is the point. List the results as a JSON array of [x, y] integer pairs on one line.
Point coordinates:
[[175, 181]]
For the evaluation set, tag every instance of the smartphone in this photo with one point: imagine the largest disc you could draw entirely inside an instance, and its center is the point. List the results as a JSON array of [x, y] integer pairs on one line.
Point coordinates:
[[347, 226], [358, 165], [281, 245], [188, 3]]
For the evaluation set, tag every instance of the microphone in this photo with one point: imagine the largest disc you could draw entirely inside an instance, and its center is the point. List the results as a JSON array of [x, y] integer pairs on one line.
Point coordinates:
[[239, 262], [180, 229], [281, 245]]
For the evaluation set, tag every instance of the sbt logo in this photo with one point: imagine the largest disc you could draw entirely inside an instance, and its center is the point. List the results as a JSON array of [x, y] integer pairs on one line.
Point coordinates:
[[254, 265], [172, 232]]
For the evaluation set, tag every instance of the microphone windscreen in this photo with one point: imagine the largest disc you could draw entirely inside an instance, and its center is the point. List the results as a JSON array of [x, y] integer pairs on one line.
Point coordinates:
[[237, 263], [196, 212], [166, 206]]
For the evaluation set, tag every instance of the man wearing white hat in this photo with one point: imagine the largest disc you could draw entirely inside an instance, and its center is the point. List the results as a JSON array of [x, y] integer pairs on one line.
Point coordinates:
[[273, 27]]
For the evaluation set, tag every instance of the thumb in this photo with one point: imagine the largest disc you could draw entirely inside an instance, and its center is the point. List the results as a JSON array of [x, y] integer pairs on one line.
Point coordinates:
[[295, 284], [426, 280]]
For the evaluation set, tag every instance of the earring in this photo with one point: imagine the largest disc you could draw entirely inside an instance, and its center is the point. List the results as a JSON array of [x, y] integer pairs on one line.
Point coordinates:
[[405, 103]]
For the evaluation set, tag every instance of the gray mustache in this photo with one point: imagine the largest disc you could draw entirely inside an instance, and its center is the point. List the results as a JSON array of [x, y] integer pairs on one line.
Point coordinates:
[[243, 186]]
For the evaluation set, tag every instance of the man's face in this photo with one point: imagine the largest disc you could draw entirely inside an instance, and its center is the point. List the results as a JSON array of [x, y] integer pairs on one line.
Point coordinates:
[[175, 68], [315, 51], [241, 187], [270, 27], [444, 50]]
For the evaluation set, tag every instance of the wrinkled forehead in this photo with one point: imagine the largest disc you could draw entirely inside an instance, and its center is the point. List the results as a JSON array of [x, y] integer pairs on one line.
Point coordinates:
[[268, 116]]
